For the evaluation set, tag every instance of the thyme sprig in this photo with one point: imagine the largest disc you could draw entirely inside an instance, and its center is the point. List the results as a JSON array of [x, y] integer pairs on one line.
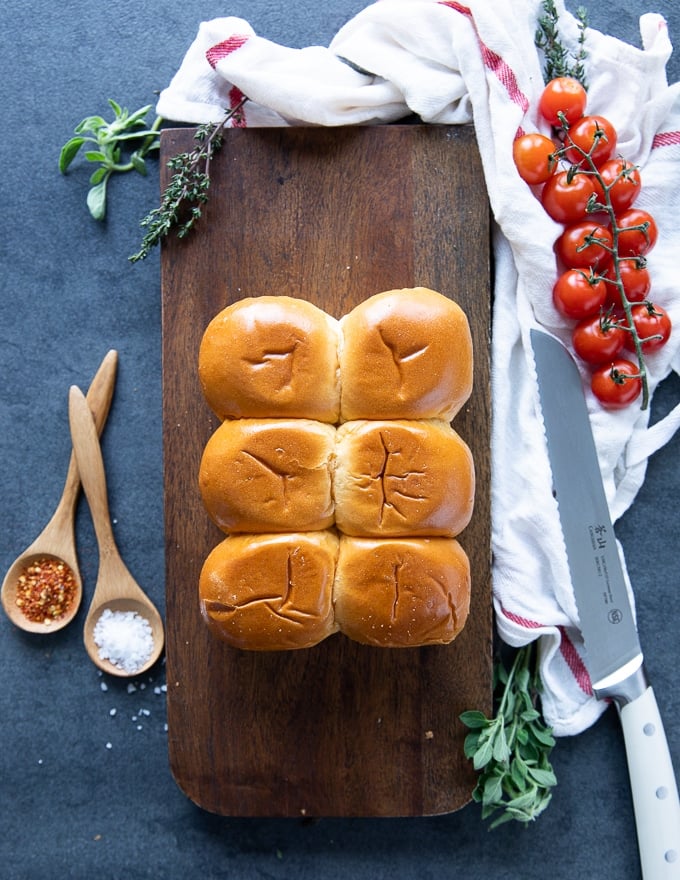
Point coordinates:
[[558, 60], [186, 194], [511, 751], [111, 140]]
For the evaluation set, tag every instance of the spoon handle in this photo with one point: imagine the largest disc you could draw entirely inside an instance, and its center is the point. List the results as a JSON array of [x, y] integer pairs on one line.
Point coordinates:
[[99, 397], [90, 463]]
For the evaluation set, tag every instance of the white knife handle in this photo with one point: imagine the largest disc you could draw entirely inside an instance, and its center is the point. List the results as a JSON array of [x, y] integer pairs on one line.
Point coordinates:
[[653, 786]]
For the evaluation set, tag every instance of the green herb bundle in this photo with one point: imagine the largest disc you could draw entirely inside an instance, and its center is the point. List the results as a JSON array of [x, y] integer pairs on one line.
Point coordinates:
[[110, 140], [511, 751]]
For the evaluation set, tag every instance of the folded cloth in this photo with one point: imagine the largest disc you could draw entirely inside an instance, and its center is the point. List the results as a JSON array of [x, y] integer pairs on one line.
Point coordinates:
[[453, 62]]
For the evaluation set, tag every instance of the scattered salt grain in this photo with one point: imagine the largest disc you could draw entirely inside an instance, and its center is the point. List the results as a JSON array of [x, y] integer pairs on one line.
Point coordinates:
[[109, 745], [124, 638]]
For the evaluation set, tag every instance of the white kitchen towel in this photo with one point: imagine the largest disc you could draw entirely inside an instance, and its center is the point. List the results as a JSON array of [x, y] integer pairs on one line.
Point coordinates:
[[453, 62]]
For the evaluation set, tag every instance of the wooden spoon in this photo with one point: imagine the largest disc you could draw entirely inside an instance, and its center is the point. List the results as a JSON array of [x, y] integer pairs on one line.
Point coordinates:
[[115, 589], [57, 540]]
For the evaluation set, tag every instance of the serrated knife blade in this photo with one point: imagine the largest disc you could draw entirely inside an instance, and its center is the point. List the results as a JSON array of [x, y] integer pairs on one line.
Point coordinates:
[[613, 655]]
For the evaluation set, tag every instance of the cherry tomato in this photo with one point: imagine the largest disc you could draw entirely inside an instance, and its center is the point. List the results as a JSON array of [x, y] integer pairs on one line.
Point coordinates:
[[565, 95], [565, 196], [598, 340], [616, 384], [534, 157], [591, 135], [651, 323], [638, 232], [584, 245], [578, 294], [623, 180], [635, 278]]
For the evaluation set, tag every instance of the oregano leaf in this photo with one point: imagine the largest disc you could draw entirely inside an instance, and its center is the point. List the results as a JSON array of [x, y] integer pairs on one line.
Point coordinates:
[[96, 200], [474, 719], [69, 151]]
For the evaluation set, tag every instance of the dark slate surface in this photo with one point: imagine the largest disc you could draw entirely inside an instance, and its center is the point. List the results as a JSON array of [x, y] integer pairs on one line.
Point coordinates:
[[70, 806]]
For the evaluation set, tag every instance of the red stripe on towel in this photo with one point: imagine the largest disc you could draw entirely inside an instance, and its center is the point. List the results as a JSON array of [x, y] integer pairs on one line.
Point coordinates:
[[238, 120], [226, 47], [493, 60], [574, 662], [457, 7], [567, 649], [666, 139], [521, 621]]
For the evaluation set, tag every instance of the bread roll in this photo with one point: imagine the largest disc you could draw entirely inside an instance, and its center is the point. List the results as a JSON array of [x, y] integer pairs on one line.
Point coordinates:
[[402, 478], [268, 475], [401, 592], [270, 592], [405, 354], [271, 356]]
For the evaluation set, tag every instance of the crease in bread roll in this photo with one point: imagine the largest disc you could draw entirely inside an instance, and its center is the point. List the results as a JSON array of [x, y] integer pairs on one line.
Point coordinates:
[[270, 592], [271, 356], [269, 475], [402, 478], [405, 354], [401, 592]]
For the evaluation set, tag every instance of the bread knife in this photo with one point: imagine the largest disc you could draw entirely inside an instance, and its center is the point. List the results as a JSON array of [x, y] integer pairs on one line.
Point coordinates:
[[613, 656]]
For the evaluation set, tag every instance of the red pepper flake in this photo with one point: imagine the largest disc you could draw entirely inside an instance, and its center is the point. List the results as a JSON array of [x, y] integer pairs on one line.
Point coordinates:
[[45, 590]]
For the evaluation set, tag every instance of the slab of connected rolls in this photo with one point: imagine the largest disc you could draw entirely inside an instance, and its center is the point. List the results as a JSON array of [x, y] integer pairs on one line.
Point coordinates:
[[335, 473]]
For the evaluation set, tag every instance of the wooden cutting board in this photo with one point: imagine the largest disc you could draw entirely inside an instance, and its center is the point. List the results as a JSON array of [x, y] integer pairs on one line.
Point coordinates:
[[333, 216]]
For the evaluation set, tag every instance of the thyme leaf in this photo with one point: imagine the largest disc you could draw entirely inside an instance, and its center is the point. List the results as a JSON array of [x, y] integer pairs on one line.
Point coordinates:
[[558, 60], [182, 201], [511, 752]]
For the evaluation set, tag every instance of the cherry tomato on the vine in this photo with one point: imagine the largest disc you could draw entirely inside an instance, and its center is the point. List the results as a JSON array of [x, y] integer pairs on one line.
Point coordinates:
[[623, 180], [598, 340], [638, 232], [534, 157], [565, 95], [652, 324], [578, 294], [616, 384], [591, 135], [565, 196], [584, 245], [635, 279]]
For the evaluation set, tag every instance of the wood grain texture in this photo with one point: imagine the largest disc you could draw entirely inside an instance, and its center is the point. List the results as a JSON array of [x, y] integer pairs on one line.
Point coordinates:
[[332, 216]]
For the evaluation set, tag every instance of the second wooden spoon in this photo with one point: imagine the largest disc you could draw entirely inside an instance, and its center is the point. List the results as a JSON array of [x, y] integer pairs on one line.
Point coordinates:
[[116, 589]]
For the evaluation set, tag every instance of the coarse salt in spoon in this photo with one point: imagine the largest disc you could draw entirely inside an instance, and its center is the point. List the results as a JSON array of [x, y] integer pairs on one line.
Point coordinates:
[[123, 630], [51, 561]]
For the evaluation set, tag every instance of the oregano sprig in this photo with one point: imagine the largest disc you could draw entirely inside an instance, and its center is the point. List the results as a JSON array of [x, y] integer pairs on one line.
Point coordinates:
[[511, 751], [120, 145]]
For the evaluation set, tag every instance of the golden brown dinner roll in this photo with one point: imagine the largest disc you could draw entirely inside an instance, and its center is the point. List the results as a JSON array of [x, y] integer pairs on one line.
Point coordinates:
[[268, 475], [270, 592], [271, 356], [402, 478], [401, 592], [405, 354]]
